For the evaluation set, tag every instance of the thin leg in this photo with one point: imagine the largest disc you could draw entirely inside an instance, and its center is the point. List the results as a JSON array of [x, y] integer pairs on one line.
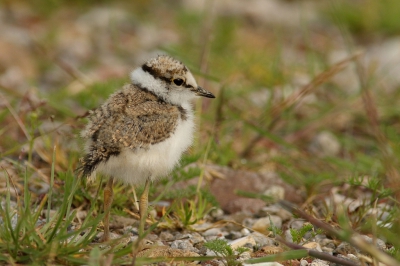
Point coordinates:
[[108, 199], [143, 205]]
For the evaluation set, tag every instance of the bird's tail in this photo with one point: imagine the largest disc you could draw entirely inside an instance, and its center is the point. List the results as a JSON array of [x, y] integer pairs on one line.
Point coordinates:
[[87, 165], [97, 155]]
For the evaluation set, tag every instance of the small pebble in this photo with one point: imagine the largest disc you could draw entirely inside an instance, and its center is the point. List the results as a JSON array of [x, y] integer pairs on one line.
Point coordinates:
[[152, 237], [38, 187], [328, 250], [181, 236], [166, 236], [318, 262], [247, 241], [297, 224], [212, 232], [202, 250], [304, 263], [81, 214], [249, 222], [326, 242], [263, 240], [353, 258], [264, 224], [288, 236], [196, 238], [276, 210], [233, 235], [379, 242], [245, 231], [345, 248], [152, 213], [313, 245], [182, 244], [325, 144], [275, 192], [217, 214]]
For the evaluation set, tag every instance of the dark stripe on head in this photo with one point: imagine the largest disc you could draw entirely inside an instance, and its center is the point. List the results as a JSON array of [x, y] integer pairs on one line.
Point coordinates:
[[149, 70], [154, 73]]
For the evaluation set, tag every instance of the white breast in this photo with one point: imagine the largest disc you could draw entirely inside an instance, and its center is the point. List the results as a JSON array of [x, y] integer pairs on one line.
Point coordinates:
[[134, 167]]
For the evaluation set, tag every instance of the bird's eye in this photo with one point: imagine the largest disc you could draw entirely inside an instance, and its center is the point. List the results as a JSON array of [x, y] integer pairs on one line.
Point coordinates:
[[178, 82]]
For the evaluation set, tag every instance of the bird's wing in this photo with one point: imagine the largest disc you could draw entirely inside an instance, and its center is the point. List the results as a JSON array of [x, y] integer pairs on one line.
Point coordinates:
[[118, 124], [142, 125]]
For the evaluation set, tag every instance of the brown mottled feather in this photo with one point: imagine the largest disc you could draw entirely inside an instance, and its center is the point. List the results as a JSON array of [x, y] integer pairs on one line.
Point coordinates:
[[131, 118]]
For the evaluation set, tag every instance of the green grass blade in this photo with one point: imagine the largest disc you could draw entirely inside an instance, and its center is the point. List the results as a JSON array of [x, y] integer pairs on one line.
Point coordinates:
[[95, 257], [287, 255], [51, 185]]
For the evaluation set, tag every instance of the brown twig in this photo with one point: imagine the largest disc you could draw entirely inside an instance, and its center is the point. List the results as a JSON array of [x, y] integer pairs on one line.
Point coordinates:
[[16, 117], [317, 254], [12, 183], [312, 253], [352, 238]]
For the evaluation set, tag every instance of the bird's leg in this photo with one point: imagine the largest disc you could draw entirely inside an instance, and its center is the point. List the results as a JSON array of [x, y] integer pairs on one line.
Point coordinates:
[[108, 199], [143, 205]]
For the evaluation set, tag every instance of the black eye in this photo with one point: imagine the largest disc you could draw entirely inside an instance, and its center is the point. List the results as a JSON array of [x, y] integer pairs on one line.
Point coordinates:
[[178, 82]]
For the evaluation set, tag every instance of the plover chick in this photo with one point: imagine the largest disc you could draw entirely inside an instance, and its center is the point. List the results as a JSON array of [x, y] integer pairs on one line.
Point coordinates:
[[141, 131]]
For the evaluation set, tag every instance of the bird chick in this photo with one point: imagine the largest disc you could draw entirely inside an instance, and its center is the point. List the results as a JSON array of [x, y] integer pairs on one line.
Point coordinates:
[[141, 131]]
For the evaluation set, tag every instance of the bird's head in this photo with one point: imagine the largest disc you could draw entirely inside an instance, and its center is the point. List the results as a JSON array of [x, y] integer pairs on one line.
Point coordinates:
[[169, 79]]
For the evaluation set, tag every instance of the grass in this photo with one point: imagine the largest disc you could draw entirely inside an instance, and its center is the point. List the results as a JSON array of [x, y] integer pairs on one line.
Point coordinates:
[[367, 17], [268, 110], [28, 238]]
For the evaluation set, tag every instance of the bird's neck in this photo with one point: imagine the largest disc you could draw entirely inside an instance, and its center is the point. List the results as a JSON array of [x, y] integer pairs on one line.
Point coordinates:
[[145, 80]]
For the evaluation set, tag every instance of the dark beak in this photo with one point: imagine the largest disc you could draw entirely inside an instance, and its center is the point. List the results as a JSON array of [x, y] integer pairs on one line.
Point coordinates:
[[202, 92]]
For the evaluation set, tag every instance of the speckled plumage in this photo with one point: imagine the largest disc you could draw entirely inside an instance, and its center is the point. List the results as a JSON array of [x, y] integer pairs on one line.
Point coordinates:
[[141, 131]]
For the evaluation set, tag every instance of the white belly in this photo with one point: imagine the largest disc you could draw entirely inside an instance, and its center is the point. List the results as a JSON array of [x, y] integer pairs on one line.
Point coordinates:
[[134, 167]]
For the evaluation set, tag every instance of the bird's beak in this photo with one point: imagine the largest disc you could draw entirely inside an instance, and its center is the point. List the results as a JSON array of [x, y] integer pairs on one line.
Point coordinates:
[[202, 92]]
